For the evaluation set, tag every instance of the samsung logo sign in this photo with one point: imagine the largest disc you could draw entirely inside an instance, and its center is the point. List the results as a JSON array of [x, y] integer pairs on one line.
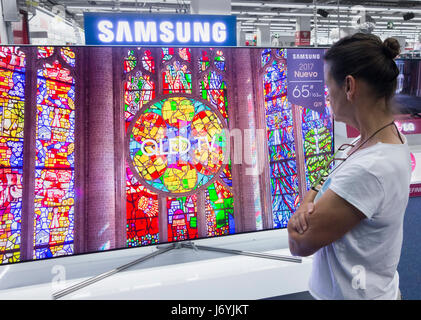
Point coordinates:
[[166, 31], [154, 29]]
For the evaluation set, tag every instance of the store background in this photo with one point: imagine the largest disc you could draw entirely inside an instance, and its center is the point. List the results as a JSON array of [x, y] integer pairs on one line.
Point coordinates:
[[410, 263], [263, 23]]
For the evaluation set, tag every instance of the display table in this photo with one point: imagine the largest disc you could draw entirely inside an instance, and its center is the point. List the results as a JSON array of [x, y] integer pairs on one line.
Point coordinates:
[[177, 274]]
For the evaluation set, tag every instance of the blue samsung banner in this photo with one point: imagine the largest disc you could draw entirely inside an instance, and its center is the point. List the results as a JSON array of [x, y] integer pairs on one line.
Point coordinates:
[[159, 29]]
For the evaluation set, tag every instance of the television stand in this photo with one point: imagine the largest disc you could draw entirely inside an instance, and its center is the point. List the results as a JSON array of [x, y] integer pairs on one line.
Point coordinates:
[[163, 249], [191, 245]]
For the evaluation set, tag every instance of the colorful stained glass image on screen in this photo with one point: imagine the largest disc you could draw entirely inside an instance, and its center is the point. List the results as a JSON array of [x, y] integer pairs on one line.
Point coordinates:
[[317, 129], [214, 89], [219, 210], [182, 218], [174, 168], [142, 212], [55, 158], [281, 141], [176, 78], [12, 105]]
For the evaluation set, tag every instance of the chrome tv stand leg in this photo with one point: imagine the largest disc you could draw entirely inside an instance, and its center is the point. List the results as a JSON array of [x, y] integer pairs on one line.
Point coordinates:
[[163, 249], [160, 250], [193, 246]]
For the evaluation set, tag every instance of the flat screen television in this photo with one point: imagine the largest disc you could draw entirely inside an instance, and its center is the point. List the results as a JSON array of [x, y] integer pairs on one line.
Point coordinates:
[[408, 92], [105, 148]]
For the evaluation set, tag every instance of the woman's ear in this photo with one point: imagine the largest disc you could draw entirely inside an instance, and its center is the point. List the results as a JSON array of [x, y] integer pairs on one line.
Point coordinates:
[[350, 85]]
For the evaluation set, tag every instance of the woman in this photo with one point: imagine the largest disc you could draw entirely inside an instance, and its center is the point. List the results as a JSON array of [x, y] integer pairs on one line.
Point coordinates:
[[353, 222]]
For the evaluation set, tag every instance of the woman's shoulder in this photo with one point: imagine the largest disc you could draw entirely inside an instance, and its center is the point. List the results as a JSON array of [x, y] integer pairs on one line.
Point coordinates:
[[381, 153], [381, 160]]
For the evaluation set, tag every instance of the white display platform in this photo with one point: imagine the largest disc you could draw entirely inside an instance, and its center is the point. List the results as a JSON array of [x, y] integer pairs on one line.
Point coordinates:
[[178, 274]]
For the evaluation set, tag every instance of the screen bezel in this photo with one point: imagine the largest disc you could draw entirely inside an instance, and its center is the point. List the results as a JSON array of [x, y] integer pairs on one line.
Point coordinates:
[[167, 242]]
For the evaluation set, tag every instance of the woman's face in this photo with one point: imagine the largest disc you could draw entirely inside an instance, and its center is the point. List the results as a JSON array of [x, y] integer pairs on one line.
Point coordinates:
[[336, 96]]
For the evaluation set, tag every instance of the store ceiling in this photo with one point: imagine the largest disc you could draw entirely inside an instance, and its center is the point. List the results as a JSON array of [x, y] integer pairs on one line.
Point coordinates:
[[279, 15]]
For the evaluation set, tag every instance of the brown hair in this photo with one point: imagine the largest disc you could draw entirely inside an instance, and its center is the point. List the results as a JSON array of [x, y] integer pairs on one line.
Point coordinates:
[[365, 56]]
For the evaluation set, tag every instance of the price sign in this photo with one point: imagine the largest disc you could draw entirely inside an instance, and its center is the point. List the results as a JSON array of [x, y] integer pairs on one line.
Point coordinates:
[[306, 78]]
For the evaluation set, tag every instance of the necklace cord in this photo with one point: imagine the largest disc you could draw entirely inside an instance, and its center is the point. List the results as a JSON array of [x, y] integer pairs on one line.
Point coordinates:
[[389, 124], [399, 135], [322, 178]]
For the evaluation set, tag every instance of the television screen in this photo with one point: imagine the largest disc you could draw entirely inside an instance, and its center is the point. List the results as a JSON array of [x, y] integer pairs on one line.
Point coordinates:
[[114, 147], [408, 93]]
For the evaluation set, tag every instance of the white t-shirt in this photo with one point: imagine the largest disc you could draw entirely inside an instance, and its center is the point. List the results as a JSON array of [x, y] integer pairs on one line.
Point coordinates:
[[362, 264]]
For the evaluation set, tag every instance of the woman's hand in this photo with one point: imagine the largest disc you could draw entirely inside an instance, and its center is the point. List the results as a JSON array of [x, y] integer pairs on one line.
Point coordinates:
[[299, 221]]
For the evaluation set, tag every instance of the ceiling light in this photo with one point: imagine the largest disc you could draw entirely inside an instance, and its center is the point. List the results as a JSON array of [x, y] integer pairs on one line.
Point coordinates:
[[323, 13], [320, 6], [269, 13], [408, 16]]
